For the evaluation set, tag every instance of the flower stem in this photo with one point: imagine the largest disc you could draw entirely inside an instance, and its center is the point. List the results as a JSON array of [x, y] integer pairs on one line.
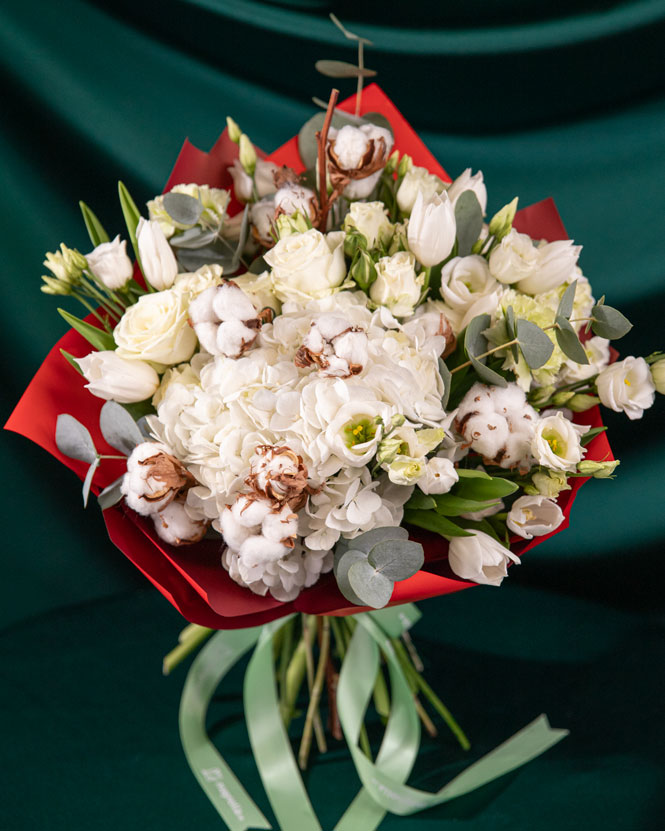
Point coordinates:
[[93, 311], [189, 640], [295, 675], [315, 696], [308, 628], [485, 354]]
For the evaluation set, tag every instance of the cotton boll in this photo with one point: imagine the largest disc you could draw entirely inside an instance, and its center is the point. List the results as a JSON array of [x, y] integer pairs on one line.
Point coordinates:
[[488, 433], [231, 303], [207, 335], [201, 309], [278, 527], [175, 527], [352, 347], [258, 549], [233, 532], [233, 337], [250, 512], [331, 325]]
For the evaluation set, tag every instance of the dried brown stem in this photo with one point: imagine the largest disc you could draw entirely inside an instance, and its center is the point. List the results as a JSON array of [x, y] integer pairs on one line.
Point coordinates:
[[322, 139]]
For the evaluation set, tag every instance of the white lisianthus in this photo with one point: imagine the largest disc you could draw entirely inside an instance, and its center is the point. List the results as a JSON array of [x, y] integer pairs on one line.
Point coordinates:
[[534, 516], [597, 351], [627, 386], [158, 262], [157, 329], [432, 229], [397, 286], [417, 180], [307, 265], [555, 264], [464, 280], [440, 475], [556, 442], [110, 264], [264, 181], [197, 282], [354, 433], [465, 181], [214, 202], [514, 259], [371, 219], [480, 558], [406, 470], [114, 378]]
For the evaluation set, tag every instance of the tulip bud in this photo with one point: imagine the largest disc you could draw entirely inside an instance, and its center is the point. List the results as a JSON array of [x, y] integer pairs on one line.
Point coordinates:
[[599, 470], [432, 229], [233, 130], [393, 161], [247, 155], [658, 375], [158, 262], [119, 379], [502, 222], [405, 164], [363, 270]]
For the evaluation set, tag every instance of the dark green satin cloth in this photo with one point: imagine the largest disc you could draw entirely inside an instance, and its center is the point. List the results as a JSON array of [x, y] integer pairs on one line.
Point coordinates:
[[563, 99]]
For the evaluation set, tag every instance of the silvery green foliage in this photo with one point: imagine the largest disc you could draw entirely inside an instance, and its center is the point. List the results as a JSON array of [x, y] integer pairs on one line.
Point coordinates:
[[468, 221], [73, 439], [183, 209], [119, 428]]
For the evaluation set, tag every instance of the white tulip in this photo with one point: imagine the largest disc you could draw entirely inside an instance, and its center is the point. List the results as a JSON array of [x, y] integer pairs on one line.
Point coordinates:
[[110, 264], [158, 263], [556, 442], [417, 180], [432, 229], [114, 378], [534, 516], [627, 386], [465, 181], [397, 285], [480, 558]]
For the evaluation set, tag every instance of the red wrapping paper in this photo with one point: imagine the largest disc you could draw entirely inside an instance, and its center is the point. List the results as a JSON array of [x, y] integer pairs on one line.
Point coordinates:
[[191, 577]]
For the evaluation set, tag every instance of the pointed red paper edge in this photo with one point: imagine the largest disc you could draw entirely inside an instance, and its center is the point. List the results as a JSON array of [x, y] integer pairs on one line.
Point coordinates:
[[190, 577]]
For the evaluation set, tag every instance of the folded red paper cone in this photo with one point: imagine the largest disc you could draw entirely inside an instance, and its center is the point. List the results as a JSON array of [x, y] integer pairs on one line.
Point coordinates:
[[191, 577]]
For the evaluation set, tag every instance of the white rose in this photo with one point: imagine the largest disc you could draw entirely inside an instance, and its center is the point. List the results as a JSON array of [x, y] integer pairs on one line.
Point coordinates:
[[114, 378], [440, 476], [556, 442], [555, 264], [156, 329], [110, 264], [464, 280], [158, 262], [480, 558], [415, 181], [371, 219], [243, 186], [397, 286], [627, 386], [308, 265], [514, 258], [432, 229], [465, 181], [534, 516], [196, 283]]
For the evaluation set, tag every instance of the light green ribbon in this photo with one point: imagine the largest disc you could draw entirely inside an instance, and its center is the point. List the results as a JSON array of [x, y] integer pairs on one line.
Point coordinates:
[[383, 780]]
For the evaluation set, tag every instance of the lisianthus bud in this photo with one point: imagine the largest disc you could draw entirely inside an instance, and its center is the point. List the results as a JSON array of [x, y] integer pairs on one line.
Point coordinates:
[[599, 470], [658, 375], [66, 266], [502, 221], [233, 130], [247, 155], [110, 264], [432, 229], [287, 225], [158, 263], [548, 483], [541, 396], [580, 402], [393, 161], [405, 164], [363, 271], [118, 379]]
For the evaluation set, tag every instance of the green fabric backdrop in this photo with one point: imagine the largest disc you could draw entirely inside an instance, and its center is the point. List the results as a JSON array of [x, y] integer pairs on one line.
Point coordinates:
[[560, 98]]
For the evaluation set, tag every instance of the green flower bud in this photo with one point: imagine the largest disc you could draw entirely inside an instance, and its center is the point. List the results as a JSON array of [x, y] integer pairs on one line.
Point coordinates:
[[548, 483], [53, 286], [247, 155], [399, 241], [561, 399], [353, 241], [541, 395], [397, 420], [581, 402], [233, 130], [391, 164], [502, 222], [658, 375], [599, 470], [66, 266], [287, 225], [363, 270], [405, 164], [387, 450]]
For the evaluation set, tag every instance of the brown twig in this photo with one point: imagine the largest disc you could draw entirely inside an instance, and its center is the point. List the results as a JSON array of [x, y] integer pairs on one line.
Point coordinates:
[[332, 678], [322, 140]]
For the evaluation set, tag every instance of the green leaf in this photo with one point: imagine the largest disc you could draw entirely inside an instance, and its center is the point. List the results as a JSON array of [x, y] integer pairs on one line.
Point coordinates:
[[111, 495], [569, 342], [342, 69], [471, 473], [534, 343], [484, 490], [87, 482], [489, 376], [219, 252], [432, 521], [366, 542], [511, 331], [94, 227], [101, 340], [609, 322], [72, 360], [371, 586], [469, 220], [591, 434], [193, 238], [565, 308], [448, 504], [475, 342], [73, 439], [447, 378], [183, 209], [132, 216], [343, 563], [397, 559], [420, 501], [119, 428]]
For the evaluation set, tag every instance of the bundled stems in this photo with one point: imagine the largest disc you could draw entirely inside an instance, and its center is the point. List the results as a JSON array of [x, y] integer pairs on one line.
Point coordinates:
[[315, 695]]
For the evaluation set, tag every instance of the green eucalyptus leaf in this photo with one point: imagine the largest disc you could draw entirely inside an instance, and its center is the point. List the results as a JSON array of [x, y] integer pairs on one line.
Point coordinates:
[[565, 308], [489, 376], [119, 428], [569, 342], [448, 504], [511, 331], [73, 439], [111, 495], [397, 559], [469, 221], [475, 342], [94, 227], [609, 322], [420, 501], [371, 586], [87, 482], [193, 238], [218, 253], [132, 216], [379, 120], [342, 69], [101, 340], [343, 563], [447, 378], [366, 542], [534, 343], [432, 521], [183, 209]]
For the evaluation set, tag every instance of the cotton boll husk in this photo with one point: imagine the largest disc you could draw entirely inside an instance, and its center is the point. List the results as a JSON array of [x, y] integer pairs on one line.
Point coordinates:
[[175, 527], [231, 303]]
